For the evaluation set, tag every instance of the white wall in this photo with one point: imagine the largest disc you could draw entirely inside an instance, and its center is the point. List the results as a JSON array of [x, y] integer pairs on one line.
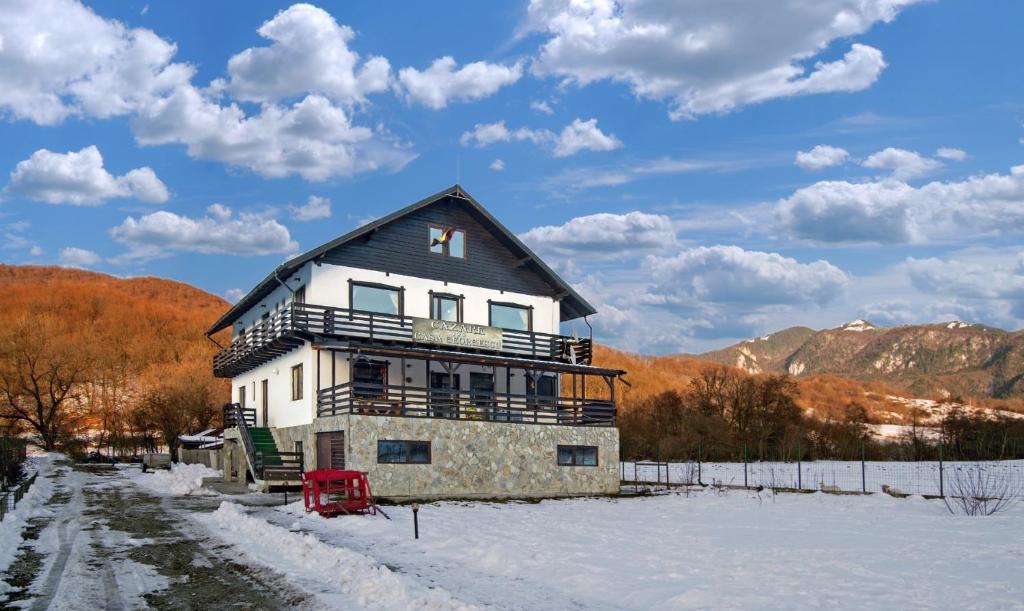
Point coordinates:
[[275, 301], [329, 287], [278, 373]]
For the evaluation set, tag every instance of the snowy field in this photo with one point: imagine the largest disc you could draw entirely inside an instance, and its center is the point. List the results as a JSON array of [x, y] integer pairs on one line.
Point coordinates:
[[736, 549], [135, 540], [906, 477]]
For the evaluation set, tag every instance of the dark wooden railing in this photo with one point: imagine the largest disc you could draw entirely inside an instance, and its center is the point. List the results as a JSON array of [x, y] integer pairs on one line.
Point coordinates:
[[279, 465], [235, 413], [413, 401], [278, 333]]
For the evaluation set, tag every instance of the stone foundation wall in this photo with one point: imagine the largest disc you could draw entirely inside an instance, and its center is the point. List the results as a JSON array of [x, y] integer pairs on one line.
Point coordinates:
[[483, 459]]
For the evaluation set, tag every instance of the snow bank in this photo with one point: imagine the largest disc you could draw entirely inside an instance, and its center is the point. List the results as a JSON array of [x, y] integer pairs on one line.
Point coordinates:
[[180, 480], [355, 580], [32, 505]]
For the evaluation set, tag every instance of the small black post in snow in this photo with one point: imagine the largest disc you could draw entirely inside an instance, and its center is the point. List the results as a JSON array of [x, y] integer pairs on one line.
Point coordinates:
[[942, 492], [745, 466], [285, 496], [799, 475], [416, 520], [863, 473]]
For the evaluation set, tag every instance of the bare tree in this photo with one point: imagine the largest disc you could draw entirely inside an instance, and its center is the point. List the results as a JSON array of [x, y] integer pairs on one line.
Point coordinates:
[[977, 491], [42, 369]]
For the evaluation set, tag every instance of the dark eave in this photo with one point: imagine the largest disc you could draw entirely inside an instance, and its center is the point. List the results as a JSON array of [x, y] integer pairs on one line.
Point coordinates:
[[572, 304]]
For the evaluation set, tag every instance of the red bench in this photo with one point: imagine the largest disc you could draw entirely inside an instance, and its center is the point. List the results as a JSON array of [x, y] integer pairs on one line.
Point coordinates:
[[330, 492]]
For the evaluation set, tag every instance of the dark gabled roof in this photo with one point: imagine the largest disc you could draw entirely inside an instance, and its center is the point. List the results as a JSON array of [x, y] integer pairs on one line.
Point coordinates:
[[572, 304]]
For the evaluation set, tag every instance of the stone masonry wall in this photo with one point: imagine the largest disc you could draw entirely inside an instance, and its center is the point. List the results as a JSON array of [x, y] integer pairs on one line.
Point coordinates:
[[483, 459]]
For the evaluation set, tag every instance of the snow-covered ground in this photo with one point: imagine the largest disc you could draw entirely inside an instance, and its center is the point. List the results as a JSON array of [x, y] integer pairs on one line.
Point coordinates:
[[180, 479], [33, 504], [707, 549], [848, 476]]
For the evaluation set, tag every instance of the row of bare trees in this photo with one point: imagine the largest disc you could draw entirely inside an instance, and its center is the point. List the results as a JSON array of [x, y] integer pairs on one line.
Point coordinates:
[[97, 372]]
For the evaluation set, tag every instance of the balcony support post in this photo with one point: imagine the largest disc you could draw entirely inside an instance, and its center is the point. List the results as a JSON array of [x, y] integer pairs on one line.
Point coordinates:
[[402, 365]]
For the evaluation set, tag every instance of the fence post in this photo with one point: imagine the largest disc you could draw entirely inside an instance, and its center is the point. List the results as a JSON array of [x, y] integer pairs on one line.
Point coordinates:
[[744, 466], [700, 480], [863, 473], [799, 475], [636, 480], [941, 489]]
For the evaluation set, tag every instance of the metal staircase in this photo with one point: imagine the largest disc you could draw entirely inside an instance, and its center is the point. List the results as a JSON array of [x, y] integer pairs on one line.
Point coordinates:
[[265, 461]]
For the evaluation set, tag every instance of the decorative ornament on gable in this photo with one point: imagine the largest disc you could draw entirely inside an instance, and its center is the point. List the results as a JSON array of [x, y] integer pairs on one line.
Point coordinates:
[[444, 238]]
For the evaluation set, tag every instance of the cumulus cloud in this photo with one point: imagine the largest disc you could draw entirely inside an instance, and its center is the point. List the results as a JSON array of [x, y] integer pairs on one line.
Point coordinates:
[[312, 138], [162, 233], [497, 165], [79, 178], [584, 136], [78, 257], [577, 136], [951, 154], [60, 59], [604, 235], [893, 212], [314, 208], [708, 60], [821, 157], [309, 54], [234, 295], [903, 164], [442, 82], [730, 274], [542, 106], [999, 277]]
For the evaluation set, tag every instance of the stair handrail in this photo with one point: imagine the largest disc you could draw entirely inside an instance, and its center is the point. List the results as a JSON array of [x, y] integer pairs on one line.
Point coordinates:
[[246, 435]]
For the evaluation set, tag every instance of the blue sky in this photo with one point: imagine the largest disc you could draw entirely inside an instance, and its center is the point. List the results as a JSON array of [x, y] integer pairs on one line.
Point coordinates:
[[703, 171]]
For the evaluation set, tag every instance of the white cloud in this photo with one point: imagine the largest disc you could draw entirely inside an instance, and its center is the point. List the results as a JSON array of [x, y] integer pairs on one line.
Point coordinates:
[[309, 54], [604, 235], [999, 277], [951, 154], [313, 138], [162, 233], [60, 59], [730, 274], [821, 157], [36, 251], [234, 295], [442, 82], [904, 164], [542, 106], [78, 257], [584, 136], [706, 59], [314, 208], [79, 178], [497, 165], [577, 136], [892, 212]]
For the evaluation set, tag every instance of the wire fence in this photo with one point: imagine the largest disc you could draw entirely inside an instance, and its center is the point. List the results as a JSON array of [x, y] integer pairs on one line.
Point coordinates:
[[9, 499], [928, 478]]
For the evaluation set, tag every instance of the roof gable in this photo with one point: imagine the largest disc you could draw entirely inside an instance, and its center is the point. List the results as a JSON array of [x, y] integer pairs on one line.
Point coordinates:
[[398, 243]]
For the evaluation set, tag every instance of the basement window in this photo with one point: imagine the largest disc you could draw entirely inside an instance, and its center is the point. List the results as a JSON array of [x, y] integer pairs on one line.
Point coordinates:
[[577, 456], [403, 452]]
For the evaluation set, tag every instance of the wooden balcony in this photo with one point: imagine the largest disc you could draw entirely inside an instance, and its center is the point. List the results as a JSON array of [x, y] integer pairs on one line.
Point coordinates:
[[417, 402], [288, 328]]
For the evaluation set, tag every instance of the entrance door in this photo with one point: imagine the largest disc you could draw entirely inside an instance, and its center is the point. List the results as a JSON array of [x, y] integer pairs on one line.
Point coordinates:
[[481, 393], [444, 394], [330, 450], [265, 398]]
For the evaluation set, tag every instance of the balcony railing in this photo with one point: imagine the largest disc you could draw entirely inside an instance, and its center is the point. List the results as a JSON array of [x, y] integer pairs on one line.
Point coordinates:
[[282, 331], [413, 401]]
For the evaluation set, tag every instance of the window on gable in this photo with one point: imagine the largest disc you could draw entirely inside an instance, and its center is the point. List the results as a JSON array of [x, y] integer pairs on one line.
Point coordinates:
[[447, 241]]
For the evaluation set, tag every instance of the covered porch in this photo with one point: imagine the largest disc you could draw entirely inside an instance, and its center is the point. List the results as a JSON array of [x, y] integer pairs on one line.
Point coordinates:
[[427, 383]]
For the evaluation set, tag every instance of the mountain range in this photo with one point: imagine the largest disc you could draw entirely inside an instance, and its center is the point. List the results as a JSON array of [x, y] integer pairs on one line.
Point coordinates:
[[949, 359]]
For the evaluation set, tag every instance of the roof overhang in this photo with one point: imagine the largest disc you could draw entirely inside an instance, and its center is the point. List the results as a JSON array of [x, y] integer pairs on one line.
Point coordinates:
[[573, 305]]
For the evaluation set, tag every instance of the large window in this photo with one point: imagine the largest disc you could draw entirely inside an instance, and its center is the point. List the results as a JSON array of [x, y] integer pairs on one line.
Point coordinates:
[[403, 452], [511, 316], [445, 307], [297, 382], [376, 298], [577, 456], [370, 378], [448, 241]]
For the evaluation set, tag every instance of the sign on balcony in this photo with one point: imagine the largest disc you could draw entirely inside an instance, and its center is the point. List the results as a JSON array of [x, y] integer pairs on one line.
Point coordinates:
[[449, 333]]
